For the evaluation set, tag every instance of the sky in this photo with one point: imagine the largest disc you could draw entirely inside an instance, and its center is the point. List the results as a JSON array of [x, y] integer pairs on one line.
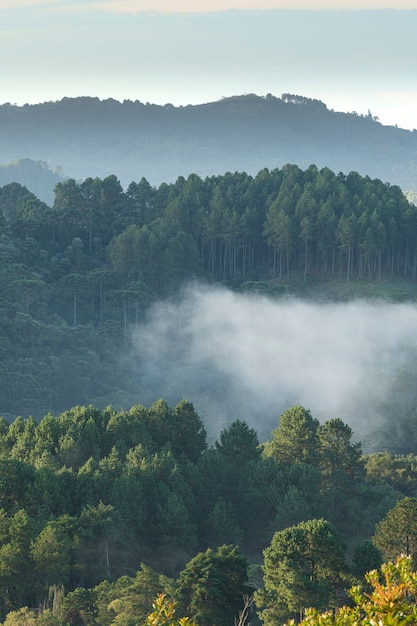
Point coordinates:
[[356, 55]]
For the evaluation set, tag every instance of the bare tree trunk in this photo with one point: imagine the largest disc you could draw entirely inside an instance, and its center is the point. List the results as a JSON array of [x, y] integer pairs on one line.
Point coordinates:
[[244, 613]]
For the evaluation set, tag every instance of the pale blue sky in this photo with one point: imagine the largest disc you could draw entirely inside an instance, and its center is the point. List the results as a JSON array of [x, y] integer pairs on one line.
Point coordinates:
[[352, 60]]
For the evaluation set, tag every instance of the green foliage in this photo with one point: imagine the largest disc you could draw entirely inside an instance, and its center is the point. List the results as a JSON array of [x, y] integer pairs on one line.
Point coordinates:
[[339, 457], [80, 607], [128, 600], [399, 472], [296, 438], [238, 443], [392, 600], [342, 470], [29, 617], [100, 553], [211, 587], [16, 478], [18, 530], [189, 434], [397, 533], [366, 557], [303, 566], [164, 614], [91, 495], [127, 429], [75, 278], [300, 498], [49, 553]]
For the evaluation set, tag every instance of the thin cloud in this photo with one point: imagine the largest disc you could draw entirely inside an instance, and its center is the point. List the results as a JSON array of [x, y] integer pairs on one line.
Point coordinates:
[[205, 6], [74, 5], [22, 4]]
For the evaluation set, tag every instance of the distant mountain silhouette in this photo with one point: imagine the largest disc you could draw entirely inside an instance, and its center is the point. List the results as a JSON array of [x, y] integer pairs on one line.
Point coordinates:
[[92, 137], [37, 176]]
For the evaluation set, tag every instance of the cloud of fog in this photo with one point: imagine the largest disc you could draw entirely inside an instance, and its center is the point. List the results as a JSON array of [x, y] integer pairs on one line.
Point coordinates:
[[249, 357]]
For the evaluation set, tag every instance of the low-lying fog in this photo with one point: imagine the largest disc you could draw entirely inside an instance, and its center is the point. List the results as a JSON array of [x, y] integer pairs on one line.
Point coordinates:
[[249, 357]]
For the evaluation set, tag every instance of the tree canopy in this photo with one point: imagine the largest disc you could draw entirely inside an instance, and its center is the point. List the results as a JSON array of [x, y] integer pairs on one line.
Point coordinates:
[[303, 567], [77, 277]]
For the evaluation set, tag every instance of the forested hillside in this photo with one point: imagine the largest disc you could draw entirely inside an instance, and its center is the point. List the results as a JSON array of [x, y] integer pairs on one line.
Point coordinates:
[[89, 137], [78, 276], [102, 510], [107, 500]]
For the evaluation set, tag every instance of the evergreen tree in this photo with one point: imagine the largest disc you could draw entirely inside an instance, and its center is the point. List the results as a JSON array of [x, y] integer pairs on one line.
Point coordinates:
[[304, 565]]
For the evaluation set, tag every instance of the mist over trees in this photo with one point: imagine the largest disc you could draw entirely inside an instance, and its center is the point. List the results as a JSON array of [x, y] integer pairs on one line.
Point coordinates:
[[107, 500], [77, 277], [37, 176], [90, 137]]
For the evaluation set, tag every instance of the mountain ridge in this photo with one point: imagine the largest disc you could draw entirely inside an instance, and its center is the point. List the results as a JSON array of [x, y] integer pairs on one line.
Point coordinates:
[[86, 136]]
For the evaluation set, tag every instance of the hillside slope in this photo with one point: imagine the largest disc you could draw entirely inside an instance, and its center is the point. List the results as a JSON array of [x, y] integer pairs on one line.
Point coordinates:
[[89, 137], [35, 175]]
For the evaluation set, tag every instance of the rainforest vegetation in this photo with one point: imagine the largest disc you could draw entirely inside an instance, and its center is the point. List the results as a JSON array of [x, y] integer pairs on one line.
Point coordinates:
[[110, 514]]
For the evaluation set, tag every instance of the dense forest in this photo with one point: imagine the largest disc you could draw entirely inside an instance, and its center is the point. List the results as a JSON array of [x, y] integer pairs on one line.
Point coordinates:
[[107, 500], [77, 276], [101, 511], [90, 137]]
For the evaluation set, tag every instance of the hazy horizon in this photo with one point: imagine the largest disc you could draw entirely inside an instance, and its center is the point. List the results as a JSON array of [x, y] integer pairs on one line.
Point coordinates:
[[125, 51]]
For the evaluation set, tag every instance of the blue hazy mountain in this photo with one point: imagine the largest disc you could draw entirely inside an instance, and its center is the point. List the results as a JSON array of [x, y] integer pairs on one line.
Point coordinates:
[[91, 137]]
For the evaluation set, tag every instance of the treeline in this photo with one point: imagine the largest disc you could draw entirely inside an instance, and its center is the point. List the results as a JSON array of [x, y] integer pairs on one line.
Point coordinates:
[[102, 510], [92, 137], [234, 227], [237, 227], [76, 276]]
